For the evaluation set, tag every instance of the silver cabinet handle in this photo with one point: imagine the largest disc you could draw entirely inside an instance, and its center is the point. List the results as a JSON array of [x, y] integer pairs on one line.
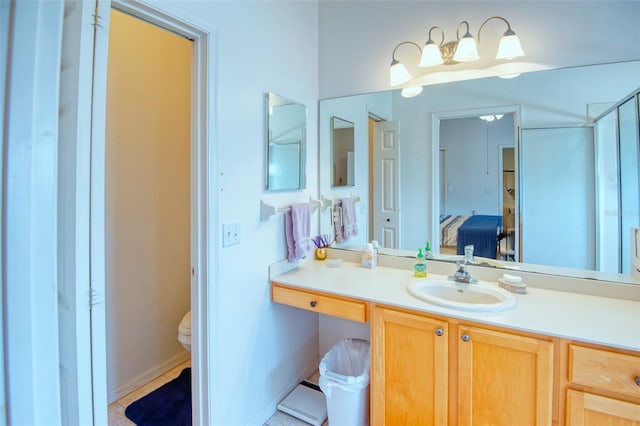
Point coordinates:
[[313, 303], [439, 332], [465, 337], [638, 380]]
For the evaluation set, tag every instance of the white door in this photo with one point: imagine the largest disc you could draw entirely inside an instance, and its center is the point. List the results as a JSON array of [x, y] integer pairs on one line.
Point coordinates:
[[29, 281], [386, 184], [557, 197], [80, 298]]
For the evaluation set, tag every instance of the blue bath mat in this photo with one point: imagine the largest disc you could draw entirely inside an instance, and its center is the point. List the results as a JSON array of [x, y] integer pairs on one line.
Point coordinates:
[[168, 405]]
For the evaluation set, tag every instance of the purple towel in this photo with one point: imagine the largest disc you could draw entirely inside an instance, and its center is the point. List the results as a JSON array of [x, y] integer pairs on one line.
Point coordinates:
[[336, 218], [298, 231], [349, 220], [288, 233]]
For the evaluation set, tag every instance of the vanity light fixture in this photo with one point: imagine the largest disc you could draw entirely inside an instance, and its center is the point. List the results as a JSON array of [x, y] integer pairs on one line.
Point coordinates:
[[464, 49], [491, 117], [397, 71], [467, 50], [509, 46]]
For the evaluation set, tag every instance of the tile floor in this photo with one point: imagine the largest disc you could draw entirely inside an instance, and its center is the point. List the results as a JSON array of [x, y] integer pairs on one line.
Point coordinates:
[[283, 419], [116, 410]]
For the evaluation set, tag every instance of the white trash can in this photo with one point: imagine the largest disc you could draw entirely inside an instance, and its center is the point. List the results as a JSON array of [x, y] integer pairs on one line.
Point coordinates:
[[344, 379]]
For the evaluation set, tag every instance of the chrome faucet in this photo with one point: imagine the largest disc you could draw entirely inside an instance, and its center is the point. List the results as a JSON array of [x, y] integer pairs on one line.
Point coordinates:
[[462, 275]]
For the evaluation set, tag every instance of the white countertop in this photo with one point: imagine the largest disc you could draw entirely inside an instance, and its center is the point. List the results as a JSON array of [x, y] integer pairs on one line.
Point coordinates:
[[593, 319]]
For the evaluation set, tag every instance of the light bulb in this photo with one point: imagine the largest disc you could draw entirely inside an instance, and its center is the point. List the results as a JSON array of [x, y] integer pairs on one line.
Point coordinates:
[[431, 55], [398, 73], [509, 47], [467, 51]]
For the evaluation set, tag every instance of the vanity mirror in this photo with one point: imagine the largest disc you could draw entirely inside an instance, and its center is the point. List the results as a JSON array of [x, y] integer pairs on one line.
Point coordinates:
[[286, 127], [342, 152], [559, 209]]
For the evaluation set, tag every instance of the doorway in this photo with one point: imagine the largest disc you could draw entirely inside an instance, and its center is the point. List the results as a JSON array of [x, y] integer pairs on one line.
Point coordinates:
[[202, 172], [508, 201], [473, 176], [147, 215]]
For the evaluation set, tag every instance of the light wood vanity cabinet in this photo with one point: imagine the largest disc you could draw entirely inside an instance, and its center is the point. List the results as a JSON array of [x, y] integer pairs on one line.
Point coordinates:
[[430, 370], [503, 378], [409, 369], [418, 362], [603, 387], [354, 310]]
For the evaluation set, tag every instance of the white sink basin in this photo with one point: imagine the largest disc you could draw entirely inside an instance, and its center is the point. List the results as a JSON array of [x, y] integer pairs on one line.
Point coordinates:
[[465, 297]]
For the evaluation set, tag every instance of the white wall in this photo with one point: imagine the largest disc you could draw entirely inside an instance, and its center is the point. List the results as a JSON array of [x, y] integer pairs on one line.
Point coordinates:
[[357, 38], [147, 201], [261, 349]]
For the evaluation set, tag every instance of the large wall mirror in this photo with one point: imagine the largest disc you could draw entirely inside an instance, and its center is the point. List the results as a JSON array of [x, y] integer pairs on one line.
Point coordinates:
[[286, 128], [539, 157], [342, 152]]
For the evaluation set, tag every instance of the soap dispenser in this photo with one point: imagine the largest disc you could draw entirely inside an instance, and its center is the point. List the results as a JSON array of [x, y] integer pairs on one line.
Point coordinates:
[[369, 258], [420, 266], [428, 254]]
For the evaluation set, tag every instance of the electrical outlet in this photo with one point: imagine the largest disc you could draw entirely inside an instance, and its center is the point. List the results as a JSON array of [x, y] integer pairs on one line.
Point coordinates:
[[230, 234]]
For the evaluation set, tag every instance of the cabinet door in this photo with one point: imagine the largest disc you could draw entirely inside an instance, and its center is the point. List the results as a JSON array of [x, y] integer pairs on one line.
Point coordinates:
[[503, 379], [585, 409], [409, 369]]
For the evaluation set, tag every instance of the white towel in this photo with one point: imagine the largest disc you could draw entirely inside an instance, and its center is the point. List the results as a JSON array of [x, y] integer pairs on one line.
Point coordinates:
[[298, 231]]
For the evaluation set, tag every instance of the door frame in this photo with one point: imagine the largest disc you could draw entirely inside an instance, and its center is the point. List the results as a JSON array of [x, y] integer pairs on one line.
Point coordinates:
[[204, 214], [436, 118]]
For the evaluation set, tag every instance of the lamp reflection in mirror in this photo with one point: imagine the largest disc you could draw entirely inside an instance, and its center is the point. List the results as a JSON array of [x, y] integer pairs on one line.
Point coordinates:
[[464, 49], [491, 117], [411, 91]]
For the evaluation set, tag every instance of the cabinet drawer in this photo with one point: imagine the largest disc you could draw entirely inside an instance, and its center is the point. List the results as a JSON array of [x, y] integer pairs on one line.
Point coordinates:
[[605, 370], [330, 305], [589, 409]]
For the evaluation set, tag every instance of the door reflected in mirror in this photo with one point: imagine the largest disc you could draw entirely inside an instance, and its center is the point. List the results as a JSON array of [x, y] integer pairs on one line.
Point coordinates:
[[286, 138], [342, 152]]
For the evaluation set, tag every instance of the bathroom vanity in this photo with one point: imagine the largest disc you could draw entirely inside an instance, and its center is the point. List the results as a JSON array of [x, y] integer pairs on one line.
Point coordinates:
[[556, 358]]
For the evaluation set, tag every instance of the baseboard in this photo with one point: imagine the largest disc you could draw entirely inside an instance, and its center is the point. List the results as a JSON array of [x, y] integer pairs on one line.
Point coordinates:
[[265, 414], [144, 378]]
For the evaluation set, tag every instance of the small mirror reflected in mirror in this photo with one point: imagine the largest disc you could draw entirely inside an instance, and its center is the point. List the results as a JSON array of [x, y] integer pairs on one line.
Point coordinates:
[[342, 152]]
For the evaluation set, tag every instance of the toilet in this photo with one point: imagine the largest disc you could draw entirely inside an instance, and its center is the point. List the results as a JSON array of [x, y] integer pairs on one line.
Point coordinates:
[[184, 331]]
